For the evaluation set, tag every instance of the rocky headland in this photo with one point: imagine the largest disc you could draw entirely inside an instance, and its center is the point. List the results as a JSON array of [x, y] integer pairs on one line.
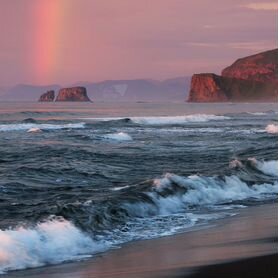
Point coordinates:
[[253, 78]]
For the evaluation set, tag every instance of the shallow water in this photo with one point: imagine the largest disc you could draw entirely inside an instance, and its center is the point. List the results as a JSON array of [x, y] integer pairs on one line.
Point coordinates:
[[77, 179]]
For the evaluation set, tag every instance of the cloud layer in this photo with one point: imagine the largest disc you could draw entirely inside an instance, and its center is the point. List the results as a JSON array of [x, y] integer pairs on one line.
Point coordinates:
[[264, 6]]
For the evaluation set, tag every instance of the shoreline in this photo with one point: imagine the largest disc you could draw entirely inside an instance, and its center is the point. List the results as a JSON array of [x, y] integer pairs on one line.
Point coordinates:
[[251, 234]]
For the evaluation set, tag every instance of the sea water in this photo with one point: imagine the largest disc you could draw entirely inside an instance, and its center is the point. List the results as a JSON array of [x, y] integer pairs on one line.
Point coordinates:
[[82, 178]]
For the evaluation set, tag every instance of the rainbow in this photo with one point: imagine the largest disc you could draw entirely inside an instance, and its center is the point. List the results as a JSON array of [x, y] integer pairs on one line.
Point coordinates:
[[49, 28]]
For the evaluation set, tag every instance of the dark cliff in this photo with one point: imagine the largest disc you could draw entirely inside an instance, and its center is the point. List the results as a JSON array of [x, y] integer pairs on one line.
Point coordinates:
[[47, 97], [254, 78], [73, 94]]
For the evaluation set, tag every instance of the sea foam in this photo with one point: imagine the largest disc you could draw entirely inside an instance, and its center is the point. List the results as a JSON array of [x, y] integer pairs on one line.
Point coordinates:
[[268, 167], [167, 120], [120, 136], [163, 211], [50, 242], [58, 240], [206, 191], [258, 113], [271, 128], [31, 126], [34, 130], [177, 119]]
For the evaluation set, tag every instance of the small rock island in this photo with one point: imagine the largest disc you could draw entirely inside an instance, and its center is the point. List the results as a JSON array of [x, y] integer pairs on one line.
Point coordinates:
[[47, 97], [253, 78], [66, 94], [73, 94]]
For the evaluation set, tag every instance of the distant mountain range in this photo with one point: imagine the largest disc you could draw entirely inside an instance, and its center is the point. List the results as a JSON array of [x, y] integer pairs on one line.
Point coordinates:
[[24, 92], [175, 89]]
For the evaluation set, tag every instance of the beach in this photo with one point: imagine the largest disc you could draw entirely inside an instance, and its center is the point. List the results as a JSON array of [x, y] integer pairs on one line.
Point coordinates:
[[138, 139], [251, 234]]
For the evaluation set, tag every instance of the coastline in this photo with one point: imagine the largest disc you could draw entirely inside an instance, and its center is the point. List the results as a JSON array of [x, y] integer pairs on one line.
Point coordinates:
[[251, 234]]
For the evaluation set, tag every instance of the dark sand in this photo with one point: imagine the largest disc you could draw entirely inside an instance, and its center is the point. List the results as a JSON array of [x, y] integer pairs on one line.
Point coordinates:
[[215, 251], [259, 267]]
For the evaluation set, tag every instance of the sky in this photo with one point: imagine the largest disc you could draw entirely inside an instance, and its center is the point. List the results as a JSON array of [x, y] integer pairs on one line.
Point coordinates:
[[67, 41]]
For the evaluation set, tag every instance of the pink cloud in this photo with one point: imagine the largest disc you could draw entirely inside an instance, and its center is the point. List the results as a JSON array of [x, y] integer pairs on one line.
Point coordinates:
[[263, 6]]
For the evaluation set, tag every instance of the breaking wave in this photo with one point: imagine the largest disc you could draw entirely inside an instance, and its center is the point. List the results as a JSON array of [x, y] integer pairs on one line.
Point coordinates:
[[28, 126], [167, 120], [271, 128], [120, 136], [177, 119], [268, 167], [208, 191], [150, 209], [257, 113], [50, 242]]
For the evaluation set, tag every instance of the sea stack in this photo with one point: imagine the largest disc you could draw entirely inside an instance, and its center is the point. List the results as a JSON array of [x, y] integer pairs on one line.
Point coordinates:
[[73, 94], [253, 79], [49, 96]]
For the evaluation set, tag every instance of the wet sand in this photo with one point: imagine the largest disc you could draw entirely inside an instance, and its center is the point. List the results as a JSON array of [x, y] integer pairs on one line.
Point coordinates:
[[258, 267], [215, 251]]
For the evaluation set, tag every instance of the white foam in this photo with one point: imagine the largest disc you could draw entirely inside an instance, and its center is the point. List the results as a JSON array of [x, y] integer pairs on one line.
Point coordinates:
[[120, 136], [31, 126], [50, 242], [120, 188], [271, 128], [257, 113], [268, 167], [199, 191], [206, 191], [58, 240], [167, 120], [177, 119], [34, 130]]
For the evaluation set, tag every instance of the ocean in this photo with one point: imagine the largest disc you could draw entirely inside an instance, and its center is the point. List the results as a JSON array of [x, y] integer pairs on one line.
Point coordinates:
[[78, 179]]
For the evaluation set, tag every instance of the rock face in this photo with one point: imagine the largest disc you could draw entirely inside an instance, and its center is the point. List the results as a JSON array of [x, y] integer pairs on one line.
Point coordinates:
[[260, 67], [47, 97], [207, 87], [73, 94], [254, 78]]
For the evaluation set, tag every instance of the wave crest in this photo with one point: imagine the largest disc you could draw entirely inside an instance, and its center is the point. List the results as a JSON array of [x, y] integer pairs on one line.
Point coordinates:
[[271, 128], [177, 119], [150, 209], [120, 136], [165, 120], [200, 190], [28, 126], [50, 242], [268, 167]]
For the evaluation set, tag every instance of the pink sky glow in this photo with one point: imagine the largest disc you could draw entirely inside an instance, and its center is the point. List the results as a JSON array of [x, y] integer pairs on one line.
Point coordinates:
[[64, 41]]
